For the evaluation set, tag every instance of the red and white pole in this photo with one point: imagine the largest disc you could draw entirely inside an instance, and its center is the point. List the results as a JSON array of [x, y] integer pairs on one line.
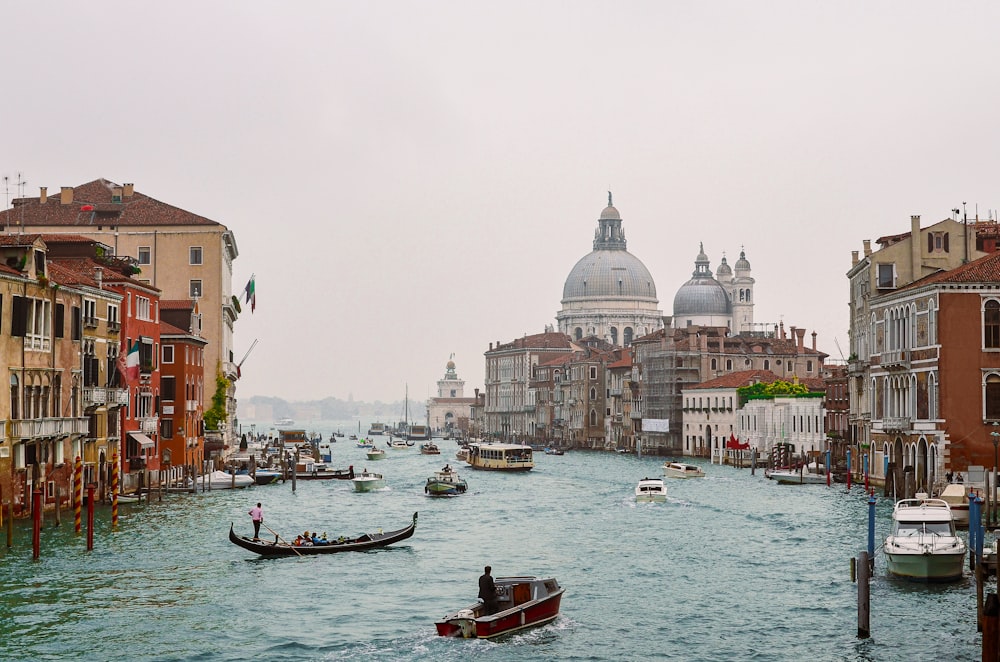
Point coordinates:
[[114, 490], [77, 493]]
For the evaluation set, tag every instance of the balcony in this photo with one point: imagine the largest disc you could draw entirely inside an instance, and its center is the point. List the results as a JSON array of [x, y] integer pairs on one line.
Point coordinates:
[[148, 425], [192, 405], [635, 415], [529, 407], [614, 392], [93, 396], [117, 396], [229, 370], [856, 366], [114, 326], [896, 423], [897, 360], [36, 428], [90, 322]]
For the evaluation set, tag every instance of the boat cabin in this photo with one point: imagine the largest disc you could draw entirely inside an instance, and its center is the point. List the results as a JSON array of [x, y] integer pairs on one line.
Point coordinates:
[[500, 457]]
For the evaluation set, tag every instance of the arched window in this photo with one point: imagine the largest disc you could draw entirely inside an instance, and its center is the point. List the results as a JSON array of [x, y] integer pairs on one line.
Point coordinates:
[[729, 364], [993, 397], [991, 324], [578, 333], [932, 396], [593, 393], [767, 364], [627, 336], [715, 364], [614, 335], [931, 323], [15, 410], [593, 418]]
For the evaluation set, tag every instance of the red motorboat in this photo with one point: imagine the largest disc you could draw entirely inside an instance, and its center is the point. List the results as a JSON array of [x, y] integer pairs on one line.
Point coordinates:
[[522, 602]]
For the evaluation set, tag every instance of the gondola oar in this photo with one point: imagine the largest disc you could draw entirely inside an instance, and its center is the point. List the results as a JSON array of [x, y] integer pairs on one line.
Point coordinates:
[[280, 538]]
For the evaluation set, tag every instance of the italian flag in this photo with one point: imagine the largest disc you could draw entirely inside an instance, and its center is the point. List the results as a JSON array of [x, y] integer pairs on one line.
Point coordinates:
[[132, 362]]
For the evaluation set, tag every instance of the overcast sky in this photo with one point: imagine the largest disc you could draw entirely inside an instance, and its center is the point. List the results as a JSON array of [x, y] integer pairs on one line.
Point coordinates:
[[410, 180]]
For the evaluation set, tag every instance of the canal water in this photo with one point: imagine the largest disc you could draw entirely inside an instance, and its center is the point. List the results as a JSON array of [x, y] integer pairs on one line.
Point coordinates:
[[731, 567]]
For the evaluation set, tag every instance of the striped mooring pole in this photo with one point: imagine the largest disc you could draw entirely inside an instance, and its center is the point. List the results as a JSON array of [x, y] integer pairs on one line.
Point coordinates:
[[114, 490], [77, 493]]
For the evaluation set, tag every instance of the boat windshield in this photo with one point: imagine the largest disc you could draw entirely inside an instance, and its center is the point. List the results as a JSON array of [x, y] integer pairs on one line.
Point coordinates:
[[917, 528]]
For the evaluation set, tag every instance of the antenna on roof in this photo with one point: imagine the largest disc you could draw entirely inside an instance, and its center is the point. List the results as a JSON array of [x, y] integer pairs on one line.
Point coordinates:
[[835, 342]]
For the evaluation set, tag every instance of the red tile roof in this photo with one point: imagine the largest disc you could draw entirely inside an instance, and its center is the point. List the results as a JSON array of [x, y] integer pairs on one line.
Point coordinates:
[[92, 206], [737, 379], [984, 270]]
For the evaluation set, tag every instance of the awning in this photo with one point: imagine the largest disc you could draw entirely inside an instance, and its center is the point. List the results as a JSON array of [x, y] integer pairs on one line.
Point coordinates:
[[144, 441]]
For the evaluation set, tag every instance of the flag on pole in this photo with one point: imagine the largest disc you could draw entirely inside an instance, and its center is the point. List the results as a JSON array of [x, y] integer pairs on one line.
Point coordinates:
[[132, 362], [250, 292]]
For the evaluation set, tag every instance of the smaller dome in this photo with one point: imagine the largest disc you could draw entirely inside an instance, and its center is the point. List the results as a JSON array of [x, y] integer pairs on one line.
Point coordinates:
[[724, 269], [450, 365], [610, 213], [743, 264]]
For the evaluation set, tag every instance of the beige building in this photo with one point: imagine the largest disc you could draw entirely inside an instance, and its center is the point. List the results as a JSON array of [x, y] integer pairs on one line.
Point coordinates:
[[181, 253]]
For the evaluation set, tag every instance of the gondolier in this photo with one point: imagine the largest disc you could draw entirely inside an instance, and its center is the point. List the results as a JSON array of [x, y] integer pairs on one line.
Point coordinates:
[[257, 515]]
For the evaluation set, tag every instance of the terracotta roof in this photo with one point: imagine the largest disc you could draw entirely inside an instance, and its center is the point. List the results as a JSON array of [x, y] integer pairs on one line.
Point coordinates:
[[625, 361], [18, 239], [167, 329], [737, 379], [984, 270], [550, 340], [92, 205], [176, 304]]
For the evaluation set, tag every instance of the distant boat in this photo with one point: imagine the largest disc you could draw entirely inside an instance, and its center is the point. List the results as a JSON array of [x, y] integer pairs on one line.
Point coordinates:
[[284, 422], [376, 428]]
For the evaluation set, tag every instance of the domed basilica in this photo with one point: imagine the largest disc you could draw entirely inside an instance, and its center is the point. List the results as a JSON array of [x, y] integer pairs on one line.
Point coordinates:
[[610, 294]]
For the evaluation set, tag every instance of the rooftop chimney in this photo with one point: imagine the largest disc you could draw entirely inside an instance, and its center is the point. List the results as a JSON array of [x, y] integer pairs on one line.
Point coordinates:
[[129, 190], [814, 341], [868, 247], [800, 336], [854, 258], [66, 195], [43, 194], [116, 194], [99, 277]]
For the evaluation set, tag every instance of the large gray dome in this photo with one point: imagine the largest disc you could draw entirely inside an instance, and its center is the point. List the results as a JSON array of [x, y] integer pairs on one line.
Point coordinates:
[[702, 295], [609, 271], [605, 274]]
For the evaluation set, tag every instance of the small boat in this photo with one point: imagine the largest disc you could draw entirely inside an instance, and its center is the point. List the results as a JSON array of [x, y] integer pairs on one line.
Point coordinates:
[[554, 451], [376, 453], [800, 476], [682, 470], [398, 443], [923, 545], [338, 433], [376, 428], [364, 443], [266, 476], [445, 483], [368, 481], [430, 448], [358, 544], [320, 471], [462, 454], [284, 422], [353, 437], [522, 602], [650, 490], [220, 480], [957, 498]]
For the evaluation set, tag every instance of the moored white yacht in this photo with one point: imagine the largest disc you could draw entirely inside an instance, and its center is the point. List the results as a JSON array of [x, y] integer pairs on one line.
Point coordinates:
[[923, 545]]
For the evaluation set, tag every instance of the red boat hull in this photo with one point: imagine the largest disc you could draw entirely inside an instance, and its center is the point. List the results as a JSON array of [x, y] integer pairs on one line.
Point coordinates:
[[528, 615]]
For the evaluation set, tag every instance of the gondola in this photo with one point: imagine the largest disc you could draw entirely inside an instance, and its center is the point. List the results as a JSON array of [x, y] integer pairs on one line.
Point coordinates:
[[358, 544]]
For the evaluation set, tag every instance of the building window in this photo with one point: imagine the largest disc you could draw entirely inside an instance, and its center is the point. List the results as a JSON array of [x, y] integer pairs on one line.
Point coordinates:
[[993, 398], [195, 289], [168, 354], [729, 364], [578, 333], [593, 372], [194, 254], [167, 428], [168, 388], [142, 308], [886, 276], [767, 364], [144, 255], [991, 324]]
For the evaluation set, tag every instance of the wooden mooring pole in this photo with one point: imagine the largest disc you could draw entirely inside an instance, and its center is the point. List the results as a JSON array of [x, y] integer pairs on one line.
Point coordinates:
[[864, 597], [991, 629]]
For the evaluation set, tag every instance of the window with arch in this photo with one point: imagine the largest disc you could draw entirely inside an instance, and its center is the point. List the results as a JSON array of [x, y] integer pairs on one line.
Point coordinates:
[[578, 333], [729, 364], [593, 393], [991, 324], [932, 396], [715, 364], [614, 335], [992, 397], [15, 395], [593, 417], [931, 323], [627, 335], [767, 364]]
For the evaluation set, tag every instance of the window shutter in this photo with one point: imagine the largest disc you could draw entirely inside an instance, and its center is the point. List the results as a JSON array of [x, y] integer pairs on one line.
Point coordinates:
[[946, 242], [19, 316], [77, 324], [60, 320]]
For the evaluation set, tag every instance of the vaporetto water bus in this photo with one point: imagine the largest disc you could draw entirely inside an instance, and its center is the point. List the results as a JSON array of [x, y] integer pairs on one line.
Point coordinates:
[[500, 457]]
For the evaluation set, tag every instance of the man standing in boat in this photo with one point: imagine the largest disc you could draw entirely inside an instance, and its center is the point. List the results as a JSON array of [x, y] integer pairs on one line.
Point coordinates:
[[257, 515], [488, 592]]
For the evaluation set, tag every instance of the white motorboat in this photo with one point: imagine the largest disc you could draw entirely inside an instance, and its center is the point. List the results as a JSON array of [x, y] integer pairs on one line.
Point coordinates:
[[376, 453], [368, 481], [682, 470], [923, 545], [957, 497], [800, 476], [650, 489], [220, 480]]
